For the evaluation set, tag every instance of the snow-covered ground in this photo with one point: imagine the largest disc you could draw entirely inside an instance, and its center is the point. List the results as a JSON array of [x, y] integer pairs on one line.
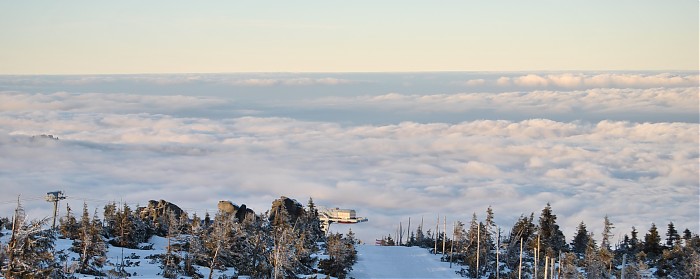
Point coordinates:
[[400, 262], [137, 261]]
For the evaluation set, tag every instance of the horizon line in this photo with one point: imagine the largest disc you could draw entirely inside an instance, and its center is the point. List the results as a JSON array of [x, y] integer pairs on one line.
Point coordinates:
[[347, 72]]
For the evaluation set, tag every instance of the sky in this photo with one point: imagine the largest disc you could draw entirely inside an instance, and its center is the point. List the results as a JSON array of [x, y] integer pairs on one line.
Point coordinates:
[[396, 109], [129, 37]]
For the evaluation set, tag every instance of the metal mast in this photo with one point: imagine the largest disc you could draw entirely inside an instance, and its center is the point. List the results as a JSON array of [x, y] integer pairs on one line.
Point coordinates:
[[55, 197]]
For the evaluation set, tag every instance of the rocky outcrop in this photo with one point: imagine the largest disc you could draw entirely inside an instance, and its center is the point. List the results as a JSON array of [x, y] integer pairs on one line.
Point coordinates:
[[240, 212], [293, 207], [158, 209]]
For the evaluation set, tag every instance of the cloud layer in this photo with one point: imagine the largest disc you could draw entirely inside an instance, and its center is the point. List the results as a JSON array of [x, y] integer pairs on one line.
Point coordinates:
[[134, 147], [607, 80]]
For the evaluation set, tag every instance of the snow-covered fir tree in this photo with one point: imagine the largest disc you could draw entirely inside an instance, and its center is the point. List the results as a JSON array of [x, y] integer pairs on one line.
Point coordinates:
[[30, 250], [90, 245]]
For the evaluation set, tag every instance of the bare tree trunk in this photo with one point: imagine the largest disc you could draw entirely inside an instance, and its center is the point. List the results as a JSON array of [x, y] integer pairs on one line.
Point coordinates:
[[213, 261], [444, 229], [537, 256], [478, 248], [437, 233], [408, 231], [520, 266], [454, 227], [13, 241], [498, 251]]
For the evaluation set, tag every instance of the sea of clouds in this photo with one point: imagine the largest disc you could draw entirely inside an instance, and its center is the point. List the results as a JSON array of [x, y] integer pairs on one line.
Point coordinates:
[[391, 145]]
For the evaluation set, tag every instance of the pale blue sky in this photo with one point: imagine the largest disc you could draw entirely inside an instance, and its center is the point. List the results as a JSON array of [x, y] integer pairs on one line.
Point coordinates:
[[100, 37]]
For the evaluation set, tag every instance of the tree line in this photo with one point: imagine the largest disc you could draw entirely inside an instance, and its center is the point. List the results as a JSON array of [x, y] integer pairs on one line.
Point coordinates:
[[280, 243], [534, 248]]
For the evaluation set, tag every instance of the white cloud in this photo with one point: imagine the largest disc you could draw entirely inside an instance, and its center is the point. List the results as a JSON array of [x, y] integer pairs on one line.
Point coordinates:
[[473, 82], [385, 171], [98, 102], [574, 103], [607, 80], [503, 81]]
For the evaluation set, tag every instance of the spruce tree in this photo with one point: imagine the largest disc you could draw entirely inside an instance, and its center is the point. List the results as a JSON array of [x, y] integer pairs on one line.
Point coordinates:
[[68, 225], [171, 260], [523, 230], [551, 237], [30, 249], [672, 235], [607, 233], [594, 267], [652, 243], [124, 228], [580, 241], [110, 220], [341, 256], [605, 254], [258, 247], [635, 243], [90, 245], [312, 222], [218, 241]]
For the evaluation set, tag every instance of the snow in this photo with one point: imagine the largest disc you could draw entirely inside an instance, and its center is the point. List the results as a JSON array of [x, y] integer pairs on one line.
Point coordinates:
[[400, 262], [141, 266]]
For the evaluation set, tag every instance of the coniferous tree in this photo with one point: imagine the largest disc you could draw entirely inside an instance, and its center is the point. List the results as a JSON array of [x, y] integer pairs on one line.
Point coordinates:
[[605, 254], [342, 256], [568, 265], [110, 219], [68, 225], [672, 235], [593, 266], [196, 251], [607, 233], [312, 222], [551, 237], [488, 234], [258, 247], [523, 230], [420, 237], [476, 247], [635, 244], [687, 236], [124, 228], [30, 249], [171, 260], [580, 241], [90, 245], [390, 241], [652, 243], [218, 242]]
